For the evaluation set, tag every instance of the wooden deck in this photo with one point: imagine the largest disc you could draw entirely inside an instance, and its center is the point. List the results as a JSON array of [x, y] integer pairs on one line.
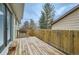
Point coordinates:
[[34, 46]]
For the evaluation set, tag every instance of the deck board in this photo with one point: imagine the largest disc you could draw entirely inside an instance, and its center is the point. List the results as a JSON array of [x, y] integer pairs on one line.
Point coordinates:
[[34, 46]]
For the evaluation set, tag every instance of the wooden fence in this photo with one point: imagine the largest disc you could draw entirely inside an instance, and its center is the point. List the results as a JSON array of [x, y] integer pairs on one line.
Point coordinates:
[[64, 40]]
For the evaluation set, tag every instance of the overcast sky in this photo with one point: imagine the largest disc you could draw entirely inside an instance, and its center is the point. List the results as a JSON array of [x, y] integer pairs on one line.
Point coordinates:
[[33, 10]]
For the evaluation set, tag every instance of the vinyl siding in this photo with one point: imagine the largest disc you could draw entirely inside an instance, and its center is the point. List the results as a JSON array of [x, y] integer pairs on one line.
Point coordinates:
[[69, 22]]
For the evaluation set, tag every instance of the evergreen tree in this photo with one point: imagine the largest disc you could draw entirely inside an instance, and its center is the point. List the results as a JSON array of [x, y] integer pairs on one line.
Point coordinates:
[[47, 16], [42, 21]]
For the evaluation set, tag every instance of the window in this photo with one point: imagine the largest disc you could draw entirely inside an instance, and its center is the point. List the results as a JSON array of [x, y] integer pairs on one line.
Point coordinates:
[[5, 26], [2, 13]]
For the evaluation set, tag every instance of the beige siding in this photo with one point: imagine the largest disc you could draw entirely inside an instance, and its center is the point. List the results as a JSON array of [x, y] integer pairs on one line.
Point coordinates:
[[70, 21]]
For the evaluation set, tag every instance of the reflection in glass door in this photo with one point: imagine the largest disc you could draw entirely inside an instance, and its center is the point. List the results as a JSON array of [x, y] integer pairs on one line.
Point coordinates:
[[2, 18], [1, 24], [8, 26]]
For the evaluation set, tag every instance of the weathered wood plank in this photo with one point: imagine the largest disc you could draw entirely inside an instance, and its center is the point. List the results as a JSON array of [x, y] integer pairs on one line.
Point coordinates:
[[34, 46]]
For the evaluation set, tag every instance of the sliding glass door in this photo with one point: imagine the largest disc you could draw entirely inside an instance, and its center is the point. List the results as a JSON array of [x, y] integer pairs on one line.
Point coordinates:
[[5, 26], [2, 17]]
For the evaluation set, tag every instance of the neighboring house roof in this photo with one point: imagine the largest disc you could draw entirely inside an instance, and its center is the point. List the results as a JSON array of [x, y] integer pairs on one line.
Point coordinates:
[[67, 13]]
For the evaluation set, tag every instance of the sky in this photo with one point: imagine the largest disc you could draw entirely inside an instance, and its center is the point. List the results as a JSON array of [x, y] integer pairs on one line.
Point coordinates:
[[33, 10]]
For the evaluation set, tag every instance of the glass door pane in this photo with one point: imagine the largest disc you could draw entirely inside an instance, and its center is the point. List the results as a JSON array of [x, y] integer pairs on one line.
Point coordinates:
[[8, 26], [1, 24]]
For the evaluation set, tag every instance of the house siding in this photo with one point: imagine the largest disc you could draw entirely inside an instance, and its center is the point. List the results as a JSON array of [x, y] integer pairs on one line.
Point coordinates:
[[69, 22]]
